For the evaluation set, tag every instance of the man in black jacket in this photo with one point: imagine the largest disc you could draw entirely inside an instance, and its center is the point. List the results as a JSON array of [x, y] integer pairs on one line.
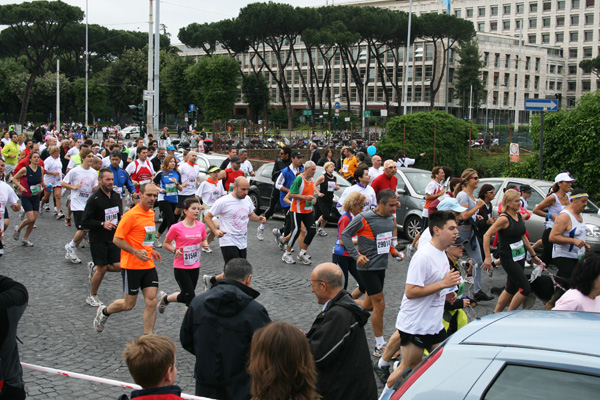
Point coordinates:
[[218, 328], [13, 301], [314, 153], [285, 160], [337, 340]]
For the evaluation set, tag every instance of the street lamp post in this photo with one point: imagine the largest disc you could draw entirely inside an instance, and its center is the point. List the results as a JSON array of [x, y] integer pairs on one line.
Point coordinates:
[[364, 58], [405, 86]]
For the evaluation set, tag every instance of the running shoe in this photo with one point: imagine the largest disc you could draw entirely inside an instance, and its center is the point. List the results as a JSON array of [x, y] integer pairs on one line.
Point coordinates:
[[47, 207], [68, 222], [26, 243], [17, 233], [469, 280], [277, 237], [60, 215], [85, 241], [162, 301], [157, 243], [71, 254], [482, 296], [303, 258], [94, 301], [207, 283], [100, 319], [382, 373], [321, 232], [288, 259], [207, 250], [91, 270], [378, 351], [260, 233], [55, 212]]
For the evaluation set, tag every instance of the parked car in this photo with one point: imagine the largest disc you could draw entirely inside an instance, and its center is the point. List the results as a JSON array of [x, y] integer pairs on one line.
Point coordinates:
[[411, 188], [261, 187], [540, 189], [512, 355], [215, 159], [129, 131]]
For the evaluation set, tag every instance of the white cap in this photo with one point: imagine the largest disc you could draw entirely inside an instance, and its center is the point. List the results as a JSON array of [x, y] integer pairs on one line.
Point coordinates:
[[564, 177]]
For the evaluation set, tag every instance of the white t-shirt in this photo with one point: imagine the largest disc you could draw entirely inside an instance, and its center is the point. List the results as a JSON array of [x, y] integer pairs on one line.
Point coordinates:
[[423, 316], [246, 166], [7, 197], [233, 219], [368, 192], [433, 187], [106, 162], [52, 164], [73, 151], [425, 238], [375, 172], [574, 300], [89, 180], [189, 173], [209, 192]]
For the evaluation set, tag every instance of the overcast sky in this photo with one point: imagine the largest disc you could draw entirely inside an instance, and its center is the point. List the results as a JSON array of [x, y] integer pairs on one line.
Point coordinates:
[[175, 14]]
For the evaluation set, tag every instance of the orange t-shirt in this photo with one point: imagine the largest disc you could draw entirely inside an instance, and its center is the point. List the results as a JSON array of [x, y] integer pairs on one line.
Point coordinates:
[[138, 229]]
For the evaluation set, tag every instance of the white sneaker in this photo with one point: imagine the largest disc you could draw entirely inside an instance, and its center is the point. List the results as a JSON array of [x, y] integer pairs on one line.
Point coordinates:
[[94, 301], [303, 258], [260, 233], [157, 243], [288, 259], [207, 283], [26, 243], [100, 319], [161, 302], [47, 207], [321, 232], [91, 270], [207, 250], [17, 233], [71, 254]]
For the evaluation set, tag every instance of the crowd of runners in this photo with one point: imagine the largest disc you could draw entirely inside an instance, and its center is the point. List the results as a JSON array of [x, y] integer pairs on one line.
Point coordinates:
[[109, 193]]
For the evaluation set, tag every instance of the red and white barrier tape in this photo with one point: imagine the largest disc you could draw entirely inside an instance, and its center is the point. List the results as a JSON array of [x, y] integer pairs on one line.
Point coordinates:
[[85, 377]]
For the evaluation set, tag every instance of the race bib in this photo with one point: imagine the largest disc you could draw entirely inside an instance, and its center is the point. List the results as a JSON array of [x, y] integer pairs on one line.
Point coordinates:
[[191, 254], [150, 236], [518, 250], [144, 182], [118, 190], [85, 195], [309, 205], [111, 215], [581, 253], [330, 186], [345, 168], [35, 189], [230, 188], [171, 189], [384, 241]]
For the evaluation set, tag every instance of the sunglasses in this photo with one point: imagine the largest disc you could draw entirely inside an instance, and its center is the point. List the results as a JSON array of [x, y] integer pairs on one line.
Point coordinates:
[[476, 178]]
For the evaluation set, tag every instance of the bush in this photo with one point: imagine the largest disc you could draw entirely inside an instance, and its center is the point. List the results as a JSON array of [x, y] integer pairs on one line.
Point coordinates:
[[452, 140]]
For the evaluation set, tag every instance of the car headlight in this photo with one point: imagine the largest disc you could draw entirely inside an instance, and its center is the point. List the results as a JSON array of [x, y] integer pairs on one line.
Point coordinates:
[[592, 230]]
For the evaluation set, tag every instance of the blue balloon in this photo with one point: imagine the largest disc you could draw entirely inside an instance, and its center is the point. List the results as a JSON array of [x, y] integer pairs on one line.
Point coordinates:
[[371, 150]]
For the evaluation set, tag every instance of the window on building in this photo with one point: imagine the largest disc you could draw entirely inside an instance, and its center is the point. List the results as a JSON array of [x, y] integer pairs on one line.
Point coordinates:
[[428, 52], [450, 75], [545, 38], [494, 10], [518, 23], [493, 26], [573, 52], [588, 36], [481, 12], [559, 69], [507, 61], [429, 73], [527, 63], [537, 64], [469, 13], [573, 36], [527, 79], [589, 19], [559, 86], [574, 20], [571, 85], [572, 68], [574, 4], [560, 5], [506, 79], [531, 38], [505, 100], [589, 3], [418, 93], [497, 60], [533, 7], [586, 86], [560, 37], [560, 20], [533, 23], [486, 58], [552, 69], [547, 6], [506, 9], [516, 80], [520, 8], [546, 22], [496, 79], [587, 52], [551, 85], [458, 12], [506, 25], [536, 83], [495, 98], [481, 26], [485, 78]]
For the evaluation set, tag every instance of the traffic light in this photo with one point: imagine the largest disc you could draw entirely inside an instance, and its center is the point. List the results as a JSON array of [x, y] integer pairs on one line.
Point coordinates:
[[139, 113]]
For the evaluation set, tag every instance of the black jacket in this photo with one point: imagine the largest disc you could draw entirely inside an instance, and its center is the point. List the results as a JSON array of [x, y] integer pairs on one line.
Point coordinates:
[[279, 165], [315, 156], [95, 214], [338, 343], [217, 329], [12, 294]]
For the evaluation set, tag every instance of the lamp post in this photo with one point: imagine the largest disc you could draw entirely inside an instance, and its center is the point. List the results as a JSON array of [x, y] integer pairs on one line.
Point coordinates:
[[363, 58], [405, 86]]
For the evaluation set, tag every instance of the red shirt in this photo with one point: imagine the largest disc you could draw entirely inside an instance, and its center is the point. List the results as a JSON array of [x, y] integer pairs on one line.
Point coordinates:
[[231, 175], [383, 182]]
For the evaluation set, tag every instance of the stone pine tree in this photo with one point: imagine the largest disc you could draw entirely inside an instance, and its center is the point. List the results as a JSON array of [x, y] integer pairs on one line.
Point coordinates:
[[469, 74], [591, 66]]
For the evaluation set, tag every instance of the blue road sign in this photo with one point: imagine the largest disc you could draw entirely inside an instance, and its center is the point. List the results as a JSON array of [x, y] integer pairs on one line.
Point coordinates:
[[192, 107], [337, 104], [541, 105]]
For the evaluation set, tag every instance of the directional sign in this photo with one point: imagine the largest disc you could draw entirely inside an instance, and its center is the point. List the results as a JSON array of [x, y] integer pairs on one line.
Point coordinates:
[[337, 104], [367, 114], [541, 105], [192, 107], [306, 112]]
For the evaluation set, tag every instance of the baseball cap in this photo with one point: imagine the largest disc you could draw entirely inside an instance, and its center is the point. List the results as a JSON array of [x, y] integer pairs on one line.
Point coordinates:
[[213, 169], [564, 177], [389, 163], [525, 189], [297, 155], [171, 148], [459, 241], [450, 204], [236, 160]]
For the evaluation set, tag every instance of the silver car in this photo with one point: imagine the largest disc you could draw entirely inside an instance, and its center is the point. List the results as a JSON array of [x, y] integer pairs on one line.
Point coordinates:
[[535, 225], [411, 188]]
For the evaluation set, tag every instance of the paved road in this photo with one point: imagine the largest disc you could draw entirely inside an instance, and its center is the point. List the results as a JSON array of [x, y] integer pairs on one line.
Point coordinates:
[[57, 331]]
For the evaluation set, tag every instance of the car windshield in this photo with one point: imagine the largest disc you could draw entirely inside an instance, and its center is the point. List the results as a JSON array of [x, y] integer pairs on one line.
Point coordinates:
[[418, 180]]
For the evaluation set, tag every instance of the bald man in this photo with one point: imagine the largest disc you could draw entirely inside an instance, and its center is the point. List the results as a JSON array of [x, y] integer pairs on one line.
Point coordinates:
[[337, 339]]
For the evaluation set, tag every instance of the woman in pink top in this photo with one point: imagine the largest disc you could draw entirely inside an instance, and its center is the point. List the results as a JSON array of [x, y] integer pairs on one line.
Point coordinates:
[[188, 235], [584, 294]]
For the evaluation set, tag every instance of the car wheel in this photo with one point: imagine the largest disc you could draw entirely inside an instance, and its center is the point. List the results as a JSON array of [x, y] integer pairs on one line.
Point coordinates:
[[412, 226], [254, 198], [127, 136]]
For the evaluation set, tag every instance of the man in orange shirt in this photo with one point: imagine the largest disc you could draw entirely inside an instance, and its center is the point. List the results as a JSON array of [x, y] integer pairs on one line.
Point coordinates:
[[135, 237]]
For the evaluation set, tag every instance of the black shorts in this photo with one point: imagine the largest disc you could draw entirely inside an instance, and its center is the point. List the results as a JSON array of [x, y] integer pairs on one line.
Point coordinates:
[[31, 203], [105, 253], [373, 281], [422, 341], [77, 218], [136, 279], [231, 252], [181, 199]]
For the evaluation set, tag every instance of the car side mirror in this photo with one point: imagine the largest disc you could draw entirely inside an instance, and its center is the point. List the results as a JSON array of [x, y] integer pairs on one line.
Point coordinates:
[[400, 191]]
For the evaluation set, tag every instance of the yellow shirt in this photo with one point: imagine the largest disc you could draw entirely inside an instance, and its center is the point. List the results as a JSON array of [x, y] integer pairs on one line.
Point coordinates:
[[11, 149], [348, 167]]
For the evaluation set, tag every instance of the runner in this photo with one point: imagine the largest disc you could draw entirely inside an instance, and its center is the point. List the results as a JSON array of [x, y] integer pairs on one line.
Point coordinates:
[[234, 211], [101, 217], [120, 178], [349, 165], [189, 179], [429, 283], [82, 181], [302, 193], [433, 191], [362, 179], [279, 165], [283, 184], [226, 162], [245, 164], [376, 169], [327, 184], [229, 175], [30, 182], [374, 231], [140, 170], [7, 197], [53, 177], [135, 236], [11, 152], [168, 180], [189, 235], [210, 191]]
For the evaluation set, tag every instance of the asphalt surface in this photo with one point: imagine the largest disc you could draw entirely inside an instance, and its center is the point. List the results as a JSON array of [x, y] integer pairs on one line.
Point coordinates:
[[56, 329]]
